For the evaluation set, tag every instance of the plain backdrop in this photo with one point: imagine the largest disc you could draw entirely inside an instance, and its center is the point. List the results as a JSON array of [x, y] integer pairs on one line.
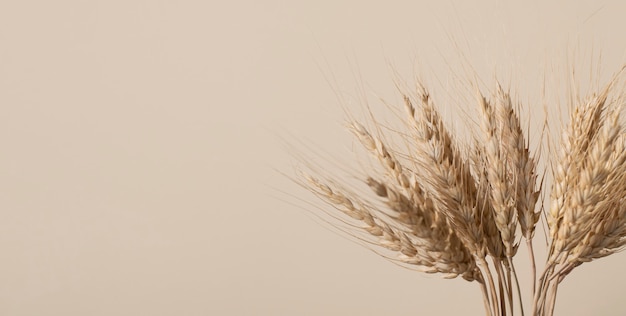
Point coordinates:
[[143, 147]]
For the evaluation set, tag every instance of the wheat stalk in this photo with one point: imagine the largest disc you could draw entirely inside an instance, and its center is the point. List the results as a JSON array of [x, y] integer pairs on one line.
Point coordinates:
[[456, 209]]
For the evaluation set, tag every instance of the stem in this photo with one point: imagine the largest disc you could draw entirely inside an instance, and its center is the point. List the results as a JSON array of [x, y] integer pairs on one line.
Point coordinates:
[[535, 306], [550, 284], [483, 289], [510, 290], [492, 286], [553, 281], [497, 263], [555, 287], [538, 298], [563, 272], [519, 291], [543, 293], [533, 267]]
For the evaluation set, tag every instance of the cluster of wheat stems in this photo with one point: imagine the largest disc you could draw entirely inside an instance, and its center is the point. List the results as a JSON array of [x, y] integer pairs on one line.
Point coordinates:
[[463, 210]]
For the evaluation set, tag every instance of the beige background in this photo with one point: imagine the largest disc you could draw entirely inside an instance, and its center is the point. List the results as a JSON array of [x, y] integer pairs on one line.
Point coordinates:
[[141, 142]]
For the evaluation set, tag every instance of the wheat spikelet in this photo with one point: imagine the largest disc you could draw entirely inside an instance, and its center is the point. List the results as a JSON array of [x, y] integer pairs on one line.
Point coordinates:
[[592, 219], [522, 167], [446, 175], [502, 196], [584, 126], [436, 239], [447, 258], [495, 246]]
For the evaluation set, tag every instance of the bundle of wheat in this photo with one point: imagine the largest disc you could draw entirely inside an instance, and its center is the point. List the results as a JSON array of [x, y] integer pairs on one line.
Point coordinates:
[[461, 210]]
